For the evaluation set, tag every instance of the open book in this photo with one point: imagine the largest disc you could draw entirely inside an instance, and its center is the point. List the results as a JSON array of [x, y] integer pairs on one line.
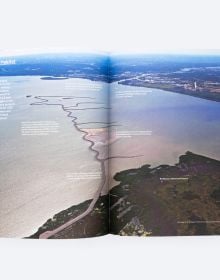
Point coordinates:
[[92, 144]]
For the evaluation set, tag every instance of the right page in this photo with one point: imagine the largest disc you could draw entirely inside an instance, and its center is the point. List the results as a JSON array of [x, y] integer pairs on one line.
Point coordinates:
[[165, 145]]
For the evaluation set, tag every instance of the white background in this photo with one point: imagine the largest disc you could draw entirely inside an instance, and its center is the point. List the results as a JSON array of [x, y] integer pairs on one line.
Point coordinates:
[[115, 25], [118, 26]]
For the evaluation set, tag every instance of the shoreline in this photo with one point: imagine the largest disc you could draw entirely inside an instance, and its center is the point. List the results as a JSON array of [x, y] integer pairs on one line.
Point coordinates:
[[203, 95], [129, 220], [130, 82]]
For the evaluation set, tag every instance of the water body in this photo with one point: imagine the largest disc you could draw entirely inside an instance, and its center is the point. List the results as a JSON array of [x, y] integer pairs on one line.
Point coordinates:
[[36, 171], [178, 123], [33, 169]]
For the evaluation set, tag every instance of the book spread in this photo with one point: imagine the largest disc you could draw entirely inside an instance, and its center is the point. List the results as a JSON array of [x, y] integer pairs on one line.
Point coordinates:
[[95, 143]]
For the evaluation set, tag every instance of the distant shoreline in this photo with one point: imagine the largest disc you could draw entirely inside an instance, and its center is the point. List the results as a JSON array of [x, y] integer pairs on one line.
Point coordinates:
[[198, 94], [54, 78], [132, 82]]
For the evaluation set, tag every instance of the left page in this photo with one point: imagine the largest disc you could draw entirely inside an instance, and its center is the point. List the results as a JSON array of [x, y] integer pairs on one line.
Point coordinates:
[[53, 145]]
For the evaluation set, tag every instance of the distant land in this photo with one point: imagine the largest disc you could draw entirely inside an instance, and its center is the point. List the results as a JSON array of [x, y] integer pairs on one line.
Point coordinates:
[[195, 75], [54, 78], [66, 65]]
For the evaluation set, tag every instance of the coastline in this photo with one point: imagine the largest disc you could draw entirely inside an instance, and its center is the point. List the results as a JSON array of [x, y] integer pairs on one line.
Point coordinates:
[[161, 201], [131, 82], [197, 94]]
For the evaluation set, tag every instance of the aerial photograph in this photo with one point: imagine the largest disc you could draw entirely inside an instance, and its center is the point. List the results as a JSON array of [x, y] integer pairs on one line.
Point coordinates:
[[92, 144]]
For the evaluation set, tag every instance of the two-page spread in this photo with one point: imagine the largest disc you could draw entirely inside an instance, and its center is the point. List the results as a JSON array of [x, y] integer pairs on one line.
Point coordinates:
[[92, 144]]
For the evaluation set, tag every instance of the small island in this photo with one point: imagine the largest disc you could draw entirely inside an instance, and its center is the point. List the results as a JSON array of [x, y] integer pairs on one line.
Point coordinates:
[[54, 78]]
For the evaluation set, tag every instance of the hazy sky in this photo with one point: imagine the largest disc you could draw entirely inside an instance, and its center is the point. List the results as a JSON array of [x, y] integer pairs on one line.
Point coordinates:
[[113, 25]]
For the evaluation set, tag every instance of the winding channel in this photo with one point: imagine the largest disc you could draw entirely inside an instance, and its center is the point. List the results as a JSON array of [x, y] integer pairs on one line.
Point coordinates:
[[44, 100]]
